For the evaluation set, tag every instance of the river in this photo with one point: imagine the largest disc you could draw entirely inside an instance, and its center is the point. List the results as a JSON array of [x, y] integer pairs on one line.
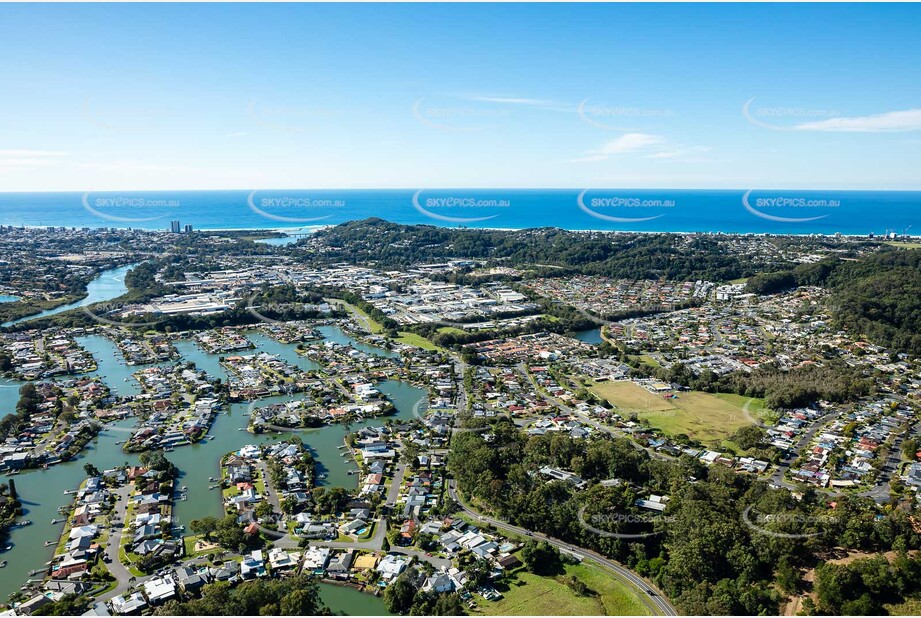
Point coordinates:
[[108, 285], [42, 491], [278, 241]]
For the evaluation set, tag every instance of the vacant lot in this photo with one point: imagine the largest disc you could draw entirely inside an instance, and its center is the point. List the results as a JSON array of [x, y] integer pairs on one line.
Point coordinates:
[[533, 595], [416, 340], [702, 416], [373, 325]]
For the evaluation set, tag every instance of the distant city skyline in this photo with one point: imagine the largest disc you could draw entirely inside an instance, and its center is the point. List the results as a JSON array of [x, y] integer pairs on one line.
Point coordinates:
[[183, 97]]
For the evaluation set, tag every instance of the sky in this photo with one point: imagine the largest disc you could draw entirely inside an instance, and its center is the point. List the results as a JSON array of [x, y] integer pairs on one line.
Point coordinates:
[[146, 97]]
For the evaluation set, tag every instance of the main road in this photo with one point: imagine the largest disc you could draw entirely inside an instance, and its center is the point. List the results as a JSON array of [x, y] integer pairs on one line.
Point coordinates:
[[646, 592], [658, 604]]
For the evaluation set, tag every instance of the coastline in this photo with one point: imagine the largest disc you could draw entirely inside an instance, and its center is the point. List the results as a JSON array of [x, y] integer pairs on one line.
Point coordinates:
[[302, 230], [796, 212]]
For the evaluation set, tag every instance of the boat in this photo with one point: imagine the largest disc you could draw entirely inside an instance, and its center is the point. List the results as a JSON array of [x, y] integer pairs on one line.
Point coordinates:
[[49, 543], [54, 521], [27, 522], [2, 564], [185, 488]]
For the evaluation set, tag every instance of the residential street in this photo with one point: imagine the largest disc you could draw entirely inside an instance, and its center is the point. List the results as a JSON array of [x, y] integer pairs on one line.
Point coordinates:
[[122, 574]]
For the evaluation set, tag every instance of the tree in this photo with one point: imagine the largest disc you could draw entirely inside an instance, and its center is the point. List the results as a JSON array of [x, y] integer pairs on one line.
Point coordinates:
[[410, 453], [478, 574], [449, 605], [156, 460], [748, 436], [206, 526], [264, 510], [29, 399], [423, 604], [289, 504], [229, 534], [540, 557], [300, 602], [787, 576], [398, 596], [910, 446], [330, 501]]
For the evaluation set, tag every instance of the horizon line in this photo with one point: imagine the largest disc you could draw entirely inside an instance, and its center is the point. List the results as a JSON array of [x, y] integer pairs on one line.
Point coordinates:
[[449, 188]]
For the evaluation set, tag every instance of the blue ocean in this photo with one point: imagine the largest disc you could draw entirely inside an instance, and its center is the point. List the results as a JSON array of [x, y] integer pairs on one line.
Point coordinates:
[[770, 211]]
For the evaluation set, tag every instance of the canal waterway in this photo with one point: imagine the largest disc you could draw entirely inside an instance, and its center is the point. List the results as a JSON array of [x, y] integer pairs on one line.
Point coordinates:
[[345, 601], [42, 491], [9, 395]]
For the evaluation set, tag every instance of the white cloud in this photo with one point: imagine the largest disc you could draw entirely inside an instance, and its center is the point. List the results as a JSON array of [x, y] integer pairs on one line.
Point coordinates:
[[645, 145], [889, 122], [542, 104], [631, 142], [679, 151]]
